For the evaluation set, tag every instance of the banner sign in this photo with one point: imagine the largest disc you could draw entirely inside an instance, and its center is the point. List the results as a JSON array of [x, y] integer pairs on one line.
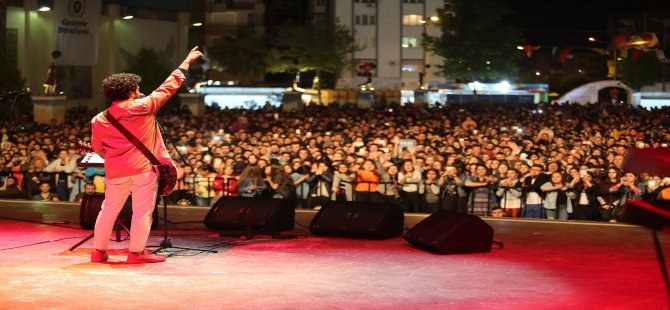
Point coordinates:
[[76, 24]]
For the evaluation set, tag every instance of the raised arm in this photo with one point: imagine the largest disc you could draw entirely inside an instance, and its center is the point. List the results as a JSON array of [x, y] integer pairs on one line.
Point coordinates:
[[190, 58]]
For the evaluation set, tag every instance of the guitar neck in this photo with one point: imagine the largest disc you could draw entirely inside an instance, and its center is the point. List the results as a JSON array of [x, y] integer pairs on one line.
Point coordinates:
[[83, 148]]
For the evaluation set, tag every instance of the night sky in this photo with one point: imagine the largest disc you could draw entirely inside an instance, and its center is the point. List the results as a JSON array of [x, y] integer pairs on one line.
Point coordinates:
[[570, 22]]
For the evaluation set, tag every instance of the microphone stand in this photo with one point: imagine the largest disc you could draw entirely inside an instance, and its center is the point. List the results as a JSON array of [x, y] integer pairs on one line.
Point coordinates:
[[166, 243], [503, 203], [506, 190]]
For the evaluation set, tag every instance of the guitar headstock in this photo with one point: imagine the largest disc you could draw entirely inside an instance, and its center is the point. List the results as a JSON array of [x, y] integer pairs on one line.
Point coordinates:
[[83, 147]]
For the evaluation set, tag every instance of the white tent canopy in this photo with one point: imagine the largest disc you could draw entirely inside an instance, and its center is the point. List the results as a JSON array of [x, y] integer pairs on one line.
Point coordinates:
[[588, 93]]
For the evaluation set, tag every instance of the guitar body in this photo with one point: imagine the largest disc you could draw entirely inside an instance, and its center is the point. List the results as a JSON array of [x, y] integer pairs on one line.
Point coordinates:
[[167, 178], [167, 173], [83, 147]]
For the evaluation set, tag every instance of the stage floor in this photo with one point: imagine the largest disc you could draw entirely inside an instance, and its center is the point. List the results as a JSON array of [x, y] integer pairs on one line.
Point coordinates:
[[544, 265]]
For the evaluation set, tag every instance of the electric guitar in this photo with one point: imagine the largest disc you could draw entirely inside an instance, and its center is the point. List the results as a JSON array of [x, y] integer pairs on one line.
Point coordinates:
[[167, 173]]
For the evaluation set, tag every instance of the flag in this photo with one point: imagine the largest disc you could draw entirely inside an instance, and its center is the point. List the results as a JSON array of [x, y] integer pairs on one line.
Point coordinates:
[[631, 54], [635, 54], [600, 51], [561, 54], [530, 49]]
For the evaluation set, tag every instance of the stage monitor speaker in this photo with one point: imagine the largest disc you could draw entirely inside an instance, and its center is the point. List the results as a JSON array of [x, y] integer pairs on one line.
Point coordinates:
[[91, 205], [447, 232], [654, 214], [251, 214], [358, 220]]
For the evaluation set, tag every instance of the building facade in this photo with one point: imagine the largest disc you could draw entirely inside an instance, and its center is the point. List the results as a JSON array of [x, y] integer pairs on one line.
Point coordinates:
[[223, 18], [389, 33], [122, 29]]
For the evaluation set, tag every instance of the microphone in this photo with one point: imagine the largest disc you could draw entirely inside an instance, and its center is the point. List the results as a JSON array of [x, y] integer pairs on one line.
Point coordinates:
[[141, 96]]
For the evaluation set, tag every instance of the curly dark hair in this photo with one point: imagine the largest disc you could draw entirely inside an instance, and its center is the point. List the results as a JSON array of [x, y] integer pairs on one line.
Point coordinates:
[[117, 86]]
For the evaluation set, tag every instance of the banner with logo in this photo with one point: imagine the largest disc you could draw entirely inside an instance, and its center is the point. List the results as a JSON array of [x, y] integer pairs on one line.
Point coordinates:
[[76, 27]]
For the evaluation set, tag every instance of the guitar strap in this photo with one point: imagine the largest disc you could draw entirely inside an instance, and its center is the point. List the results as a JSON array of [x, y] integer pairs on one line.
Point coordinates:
[[152, 158]]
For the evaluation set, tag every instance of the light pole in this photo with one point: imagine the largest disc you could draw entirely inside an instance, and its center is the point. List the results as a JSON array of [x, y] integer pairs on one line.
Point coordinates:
[[611, 63]]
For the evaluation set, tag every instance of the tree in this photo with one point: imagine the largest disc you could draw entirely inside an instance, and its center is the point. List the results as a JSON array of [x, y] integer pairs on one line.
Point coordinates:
[[569, 82], [148, 65], [12, 98], [476, 43], [3, 25], [322, 46], [11, 76], [641, 72], [242, 56]]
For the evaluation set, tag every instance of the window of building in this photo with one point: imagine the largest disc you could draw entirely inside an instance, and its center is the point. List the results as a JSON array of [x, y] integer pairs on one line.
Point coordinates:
[[366, 1], [412, 20], [364, 42], [365, 19], [412, 1], [409, 42], [412, 66]]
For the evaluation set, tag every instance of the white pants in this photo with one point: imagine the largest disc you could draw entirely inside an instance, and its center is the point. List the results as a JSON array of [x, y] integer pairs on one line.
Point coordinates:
[[144, 187]]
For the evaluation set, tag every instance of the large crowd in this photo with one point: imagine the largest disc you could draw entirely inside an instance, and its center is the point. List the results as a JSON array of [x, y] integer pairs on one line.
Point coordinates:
[[517, 160]]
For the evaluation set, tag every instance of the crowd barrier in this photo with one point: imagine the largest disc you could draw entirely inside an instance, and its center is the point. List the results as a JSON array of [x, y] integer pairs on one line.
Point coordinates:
[[306, 196]]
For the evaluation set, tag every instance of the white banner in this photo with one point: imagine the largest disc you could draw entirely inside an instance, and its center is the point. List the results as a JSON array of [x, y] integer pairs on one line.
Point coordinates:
[[76, 24]]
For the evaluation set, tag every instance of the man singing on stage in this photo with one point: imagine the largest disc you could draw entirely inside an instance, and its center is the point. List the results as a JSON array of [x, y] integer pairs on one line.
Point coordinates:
[[128, 169]]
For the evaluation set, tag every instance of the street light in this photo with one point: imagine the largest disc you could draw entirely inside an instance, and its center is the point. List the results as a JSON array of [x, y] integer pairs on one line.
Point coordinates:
[[611, 63]]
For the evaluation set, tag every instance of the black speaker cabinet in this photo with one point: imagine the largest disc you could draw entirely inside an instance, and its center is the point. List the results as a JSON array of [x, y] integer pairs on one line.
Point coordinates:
[[358, 220], [654, 214], [91, 205], [447, 232], [251, 214]]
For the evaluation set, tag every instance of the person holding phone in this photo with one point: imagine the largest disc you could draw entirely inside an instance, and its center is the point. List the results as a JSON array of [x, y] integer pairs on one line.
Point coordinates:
[[586, 205], [509, 191], [558, 199], [342, 187], [606, 199], [626, 190], [251, 182], [320, 183], [367, 181], [410, 179], [482, 197]]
